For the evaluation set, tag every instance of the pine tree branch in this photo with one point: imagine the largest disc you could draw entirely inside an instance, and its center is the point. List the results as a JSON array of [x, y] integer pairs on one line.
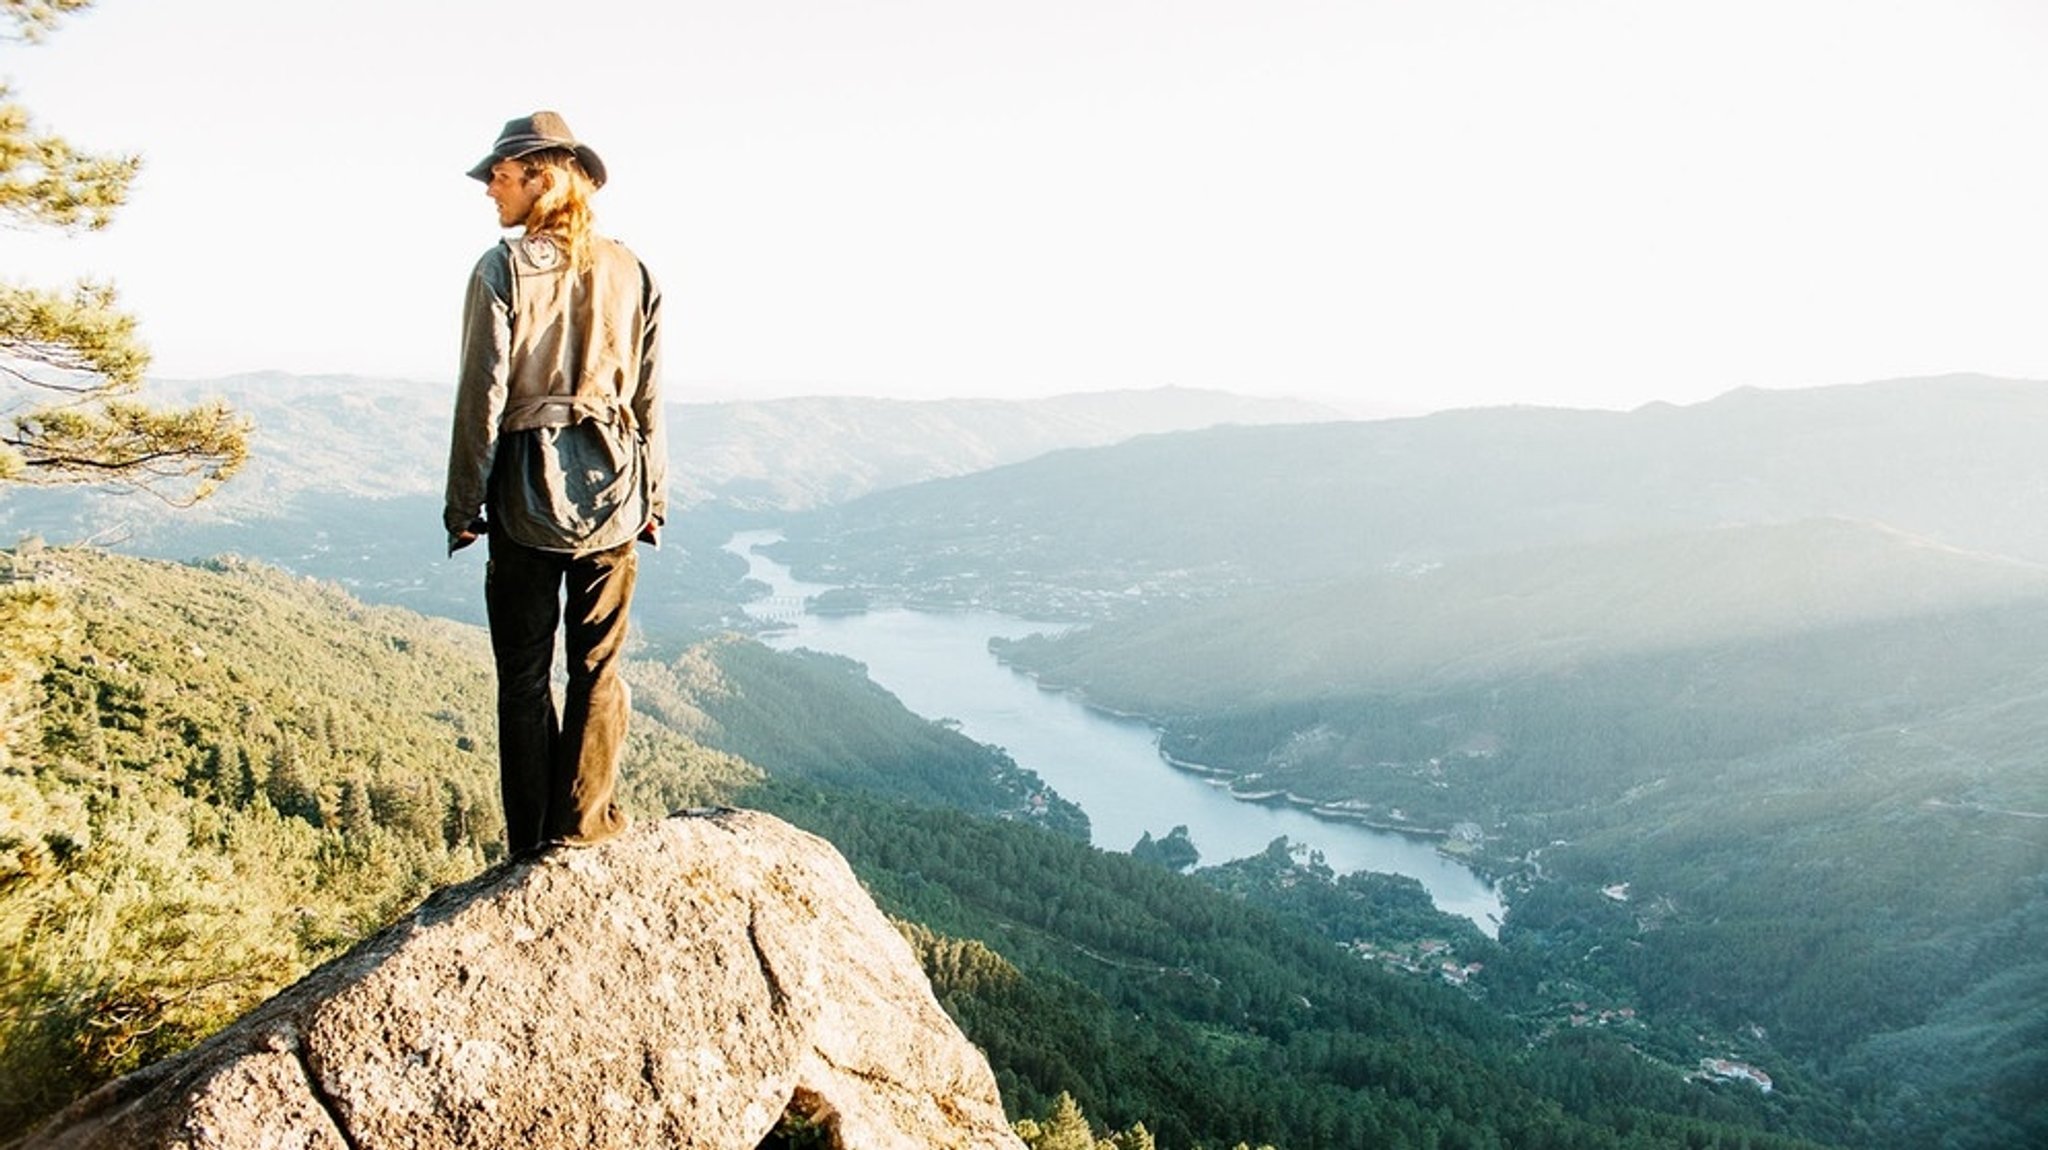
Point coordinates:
[[79, 344], [34, 19], [84, 386], [82, 331], [180, 455], [45, 181]]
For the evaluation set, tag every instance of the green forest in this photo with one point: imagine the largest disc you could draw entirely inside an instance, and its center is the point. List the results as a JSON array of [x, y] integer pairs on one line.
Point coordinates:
[[1824, 835], [220, 775]]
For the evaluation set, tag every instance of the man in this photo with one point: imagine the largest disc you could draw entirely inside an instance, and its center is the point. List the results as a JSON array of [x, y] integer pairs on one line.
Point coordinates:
[[558, 454]]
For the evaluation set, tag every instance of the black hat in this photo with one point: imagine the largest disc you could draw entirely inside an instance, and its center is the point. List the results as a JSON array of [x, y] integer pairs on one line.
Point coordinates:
[[537, 133]]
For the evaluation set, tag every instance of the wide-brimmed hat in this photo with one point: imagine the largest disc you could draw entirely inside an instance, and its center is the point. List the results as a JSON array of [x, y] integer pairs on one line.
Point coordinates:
[[537, 133]]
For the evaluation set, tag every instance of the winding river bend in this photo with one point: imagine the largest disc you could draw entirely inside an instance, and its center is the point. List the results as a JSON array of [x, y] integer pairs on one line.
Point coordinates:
[[939, 665]]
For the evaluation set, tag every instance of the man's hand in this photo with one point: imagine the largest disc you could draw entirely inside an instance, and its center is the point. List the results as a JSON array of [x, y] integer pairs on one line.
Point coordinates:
[[457, 540], [651, 534]]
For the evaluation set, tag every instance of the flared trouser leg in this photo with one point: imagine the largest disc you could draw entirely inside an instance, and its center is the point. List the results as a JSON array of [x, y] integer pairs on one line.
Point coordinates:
[[599, 590], [558, 773], [522, 602]]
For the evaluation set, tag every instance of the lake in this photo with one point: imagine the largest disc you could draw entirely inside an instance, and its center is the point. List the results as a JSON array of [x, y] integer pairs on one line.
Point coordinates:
[[938, 664]]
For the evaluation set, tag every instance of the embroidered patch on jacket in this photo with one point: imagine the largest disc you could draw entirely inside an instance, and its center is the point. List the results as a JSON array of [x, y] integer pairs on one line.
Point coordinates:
[[541, 252]]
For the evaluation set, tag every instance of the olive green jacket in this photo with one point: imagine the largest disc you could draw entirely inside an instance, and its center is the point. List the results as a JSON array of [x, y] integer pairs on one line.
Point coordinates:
[[558, 437]]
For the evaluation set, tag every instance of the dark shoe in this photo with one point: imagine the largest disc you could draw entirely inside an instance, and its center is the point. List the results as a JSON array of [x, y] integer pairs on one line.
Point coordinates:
[[579, 842], [533, 853]]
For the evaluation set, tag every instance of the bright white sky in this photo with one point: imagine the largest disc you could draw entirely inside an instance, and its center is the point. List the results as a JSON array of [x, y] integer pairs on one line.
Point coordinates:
[[1403, 204]]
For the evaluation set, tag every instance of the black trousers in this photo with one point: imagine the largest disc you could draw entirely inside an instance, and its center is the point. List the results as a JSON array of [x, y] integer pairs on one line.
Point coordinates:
[[558, 773]]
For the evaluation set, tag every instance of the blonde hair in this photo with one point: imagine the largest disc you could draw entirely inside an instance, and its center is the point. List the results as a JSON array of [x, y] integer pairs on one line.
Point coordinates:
[[563, 209]]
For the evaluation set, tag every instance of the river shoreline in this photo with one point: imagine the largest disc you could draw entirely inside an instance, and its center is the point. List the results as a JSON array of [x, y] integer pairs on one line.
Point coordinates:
[[940, 663], [1333, 811]]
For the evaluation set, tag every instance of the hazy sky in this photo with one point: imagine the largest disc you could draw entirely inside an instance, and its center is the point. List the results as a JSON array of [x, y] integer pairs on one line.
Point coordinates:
[[1410, 204]]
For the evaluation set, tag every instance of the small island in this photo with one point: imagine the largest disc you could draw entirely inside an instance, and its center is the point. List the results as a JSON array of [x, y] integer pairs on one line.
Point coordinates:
[[837, 601]]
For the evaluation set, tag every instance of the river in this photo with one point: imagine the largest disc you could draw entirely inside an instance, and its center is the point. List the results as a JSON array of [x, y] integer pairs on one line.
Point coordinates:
[[938, 664]]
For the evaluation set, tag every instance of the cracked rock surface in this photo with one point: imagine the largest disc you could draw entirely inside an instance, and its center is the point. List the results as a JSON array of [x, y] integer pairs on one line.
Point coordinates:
[[679, 986]]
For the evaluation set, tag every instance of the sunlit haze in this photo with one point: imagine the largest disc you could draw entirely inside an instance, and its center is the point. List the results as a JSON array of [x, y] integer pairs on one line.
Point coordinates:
[[1393, 205]]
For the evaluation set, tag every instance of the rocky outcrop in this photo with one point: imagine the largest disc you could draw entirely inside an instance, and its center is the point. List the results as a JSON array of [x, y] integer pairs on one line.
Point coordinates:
[[688, 984]]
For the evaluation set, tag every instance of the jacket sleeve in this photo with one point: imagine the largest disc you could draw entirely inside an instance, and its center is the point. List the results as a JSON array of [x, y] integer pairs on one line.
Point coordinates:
[[480, 390], [647, 408]]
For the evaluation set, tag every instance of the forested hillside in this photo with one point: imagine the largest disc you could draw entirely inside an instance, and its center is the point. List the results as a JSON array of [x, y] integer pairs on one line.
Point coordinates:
[[1212, 1020], [219, 774], [818, 719], [1830, 828], [1784, 774]]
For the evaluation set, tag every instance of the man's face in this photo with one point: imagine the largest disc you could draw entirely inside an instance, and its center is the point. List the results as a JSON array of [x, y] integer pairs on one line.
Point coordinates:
[[513, 191]]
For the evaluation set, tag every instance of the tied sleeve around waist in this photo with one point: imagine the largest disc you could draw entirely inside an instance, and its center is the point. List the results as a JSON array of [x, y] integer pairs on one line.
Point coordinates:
[[529, 412]]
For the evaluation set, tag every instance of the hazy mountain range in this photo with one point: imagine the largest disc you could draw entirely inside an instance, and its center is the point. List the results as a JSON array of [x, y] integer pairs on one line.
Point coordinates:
[[1549, 610], [345, 474], [793, 454], [1956, 460], [320, 440]]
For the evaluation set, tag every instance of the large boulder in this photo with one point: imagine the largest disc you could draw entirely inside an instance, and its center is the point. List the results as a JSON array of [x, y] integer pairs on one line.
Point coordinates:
[[688, 984]]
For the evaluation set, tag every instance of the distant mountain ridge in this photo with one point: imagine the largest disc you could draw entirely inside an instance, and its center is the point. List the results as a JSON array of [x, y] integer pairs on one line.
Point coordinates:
[[1956, 460], [1547, 610], [323, 437], [795, 454], [345, 476]]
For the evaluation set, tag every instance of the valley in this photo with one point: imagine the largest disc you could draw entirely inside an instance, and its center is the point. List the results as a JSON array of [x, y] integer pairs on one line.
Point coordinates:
[[938, 664], [1738, 704], [1742, 661]]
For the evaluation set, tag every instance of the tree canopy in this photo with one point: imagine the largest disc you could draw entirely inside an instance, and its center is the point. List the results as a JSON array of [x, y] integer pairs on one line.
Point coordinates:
[[70, 361]]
